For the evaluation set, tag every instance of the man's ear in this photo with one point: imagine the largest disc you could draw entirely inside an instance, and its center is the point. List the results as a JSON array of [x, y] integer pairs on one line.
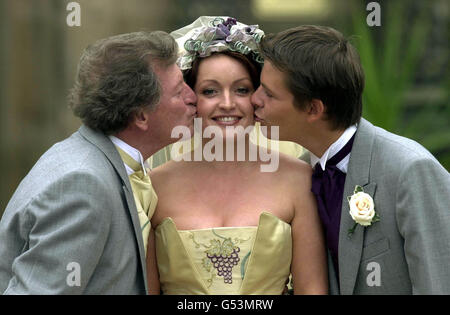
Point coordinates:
[[315, 110], [141, 119]]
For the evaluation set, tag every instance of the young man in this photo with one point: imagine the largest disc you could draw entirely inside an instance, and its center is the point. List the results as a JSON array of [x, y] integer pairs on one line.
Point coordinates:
[[73, 225], [392, 236]]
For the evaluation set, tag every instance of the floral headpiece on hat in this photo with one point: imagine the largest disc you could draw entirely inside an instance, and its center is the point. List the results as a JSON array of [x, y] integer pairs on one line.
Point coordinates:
[[209, 34]]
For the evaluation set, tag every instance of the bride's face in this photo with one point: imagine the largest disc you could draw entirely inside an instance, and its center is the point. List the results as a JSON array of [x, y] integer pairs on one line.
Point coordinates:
[[224, 89]]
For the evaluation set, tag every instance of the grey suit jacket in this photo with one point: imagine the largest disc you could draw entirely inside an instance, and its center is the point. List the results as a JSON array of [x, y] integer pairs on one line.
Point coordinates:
[[407, 251], [72, 227]]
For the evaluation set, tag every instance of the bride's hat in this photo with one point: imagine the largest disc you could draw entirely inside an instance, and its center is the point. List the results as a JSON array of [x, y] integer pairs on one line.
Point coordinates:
[[209, 34]]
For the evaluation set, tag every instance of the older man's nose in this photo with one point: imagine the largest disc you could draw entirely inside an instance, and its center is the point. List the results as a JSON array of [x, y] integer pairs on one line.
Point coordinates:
[[190, 97]]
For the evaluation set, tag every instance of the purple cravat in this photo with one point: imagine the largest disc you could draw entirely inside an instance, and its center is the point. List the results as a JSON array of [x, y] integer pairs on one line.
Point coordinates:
[[328, 187]]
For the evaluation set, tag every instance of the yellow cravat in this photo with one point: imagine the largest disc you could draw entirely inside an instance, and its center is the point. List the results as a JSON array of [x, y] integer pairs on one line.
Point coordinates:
[[144, 194]]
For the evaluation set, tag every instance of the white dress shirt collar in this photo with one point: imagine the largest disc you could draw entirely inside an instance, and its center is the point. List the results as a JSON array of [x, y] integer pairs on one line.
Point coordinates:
[[334, 149], [134, 153]]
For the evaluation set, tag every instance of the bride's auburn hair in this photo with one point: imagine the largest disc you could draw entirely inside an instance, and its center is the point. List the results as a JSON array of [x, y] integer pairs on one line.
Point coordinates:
[[253, 67]]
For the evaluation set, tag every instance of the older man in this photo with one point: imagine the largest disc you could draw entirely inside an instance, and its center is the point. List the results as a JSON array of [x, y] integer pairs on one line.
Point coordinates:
[[73, 226]]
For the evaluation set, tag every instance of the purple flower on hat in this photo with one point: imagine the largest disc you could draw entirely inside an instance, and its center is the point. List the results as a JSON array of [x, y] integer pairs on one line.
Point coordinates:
[[230, 22], [222, 31]]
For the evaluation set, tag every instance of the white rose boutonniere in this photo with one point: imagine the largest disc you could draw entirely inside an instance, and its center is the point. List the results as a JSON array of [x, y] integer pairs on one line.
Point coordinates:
[[362, 209]]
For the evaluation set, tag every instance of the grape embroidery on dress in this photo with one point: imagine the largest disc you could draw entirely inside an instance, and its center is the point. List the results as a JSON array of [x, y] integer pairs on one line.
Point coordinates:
[[221, 256]]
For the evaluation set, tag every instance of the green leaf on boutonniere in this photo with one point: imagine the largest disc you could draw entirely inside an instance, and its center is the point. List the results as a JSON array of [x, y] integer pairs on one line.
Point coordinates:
[[352, 230], [376, 218], [358, 189]]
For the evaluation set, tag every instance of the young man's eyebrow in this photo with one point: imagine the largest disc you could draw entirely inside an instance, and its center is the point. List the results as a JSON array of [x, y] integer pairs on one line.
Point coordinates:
[[266, 88]]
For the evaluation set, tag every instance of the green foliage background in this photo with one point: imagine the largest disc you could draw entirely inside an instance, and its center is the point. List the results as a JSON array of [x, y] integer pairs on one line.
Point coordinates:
[[391, 65]]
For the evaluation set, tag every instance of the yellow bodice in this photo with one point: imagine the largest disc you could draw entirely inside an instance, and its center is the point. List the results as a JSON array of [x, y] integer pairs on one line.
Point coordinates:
[[225, 260]]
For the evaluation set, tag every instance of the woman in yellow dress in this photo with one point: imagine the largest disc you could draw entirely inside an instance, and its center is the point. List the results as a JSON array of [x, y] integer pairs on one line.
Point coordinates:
[[227, 225]]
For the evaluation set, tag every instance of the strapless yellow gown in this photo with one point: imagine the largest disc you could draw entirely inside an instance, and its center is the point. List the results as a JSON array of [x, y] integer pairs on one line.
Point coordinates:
[[225, 260]]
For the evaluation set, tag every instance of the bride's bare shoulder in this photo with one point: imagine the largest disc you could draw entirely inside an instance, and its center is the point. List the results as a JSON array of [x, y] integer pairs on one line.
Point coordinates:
[[294, 172], [288, 164], [167, 172]]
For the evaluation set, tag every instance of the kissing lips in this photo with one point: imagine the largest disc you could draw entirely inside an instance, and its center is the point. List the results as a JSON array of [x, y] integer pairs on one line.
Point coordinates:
[[256, 118]]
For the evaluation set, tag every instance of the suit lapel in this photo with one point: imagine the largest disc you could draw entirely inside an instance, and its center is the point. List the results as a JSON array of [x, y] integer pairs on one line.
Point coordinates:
[[104, 144], [107, 147], [350, 247], [137, 228]]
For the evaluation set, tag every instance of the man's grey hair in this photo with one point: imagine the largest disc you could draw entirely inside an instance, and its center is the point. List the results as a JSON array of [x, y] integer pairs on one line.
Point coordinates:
[[115, 78]]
